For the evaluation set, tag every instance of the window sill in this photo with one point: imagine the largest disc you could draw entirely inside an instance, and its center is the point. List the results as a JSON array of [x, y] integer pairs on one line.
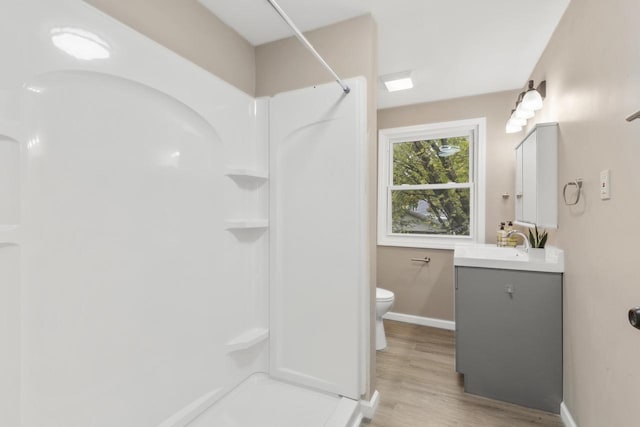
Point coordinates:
[[447, 243]]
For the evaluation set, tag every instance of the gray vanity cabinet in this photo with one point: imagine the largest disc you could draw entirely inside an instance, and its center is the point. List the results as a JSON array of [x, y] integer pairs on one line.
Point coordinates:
[[509, 335]]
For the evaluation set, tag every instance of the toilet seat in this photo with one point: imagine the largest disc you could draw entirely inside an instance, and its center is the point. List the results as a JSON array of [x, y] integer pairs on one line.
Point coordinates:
[[383, 295]]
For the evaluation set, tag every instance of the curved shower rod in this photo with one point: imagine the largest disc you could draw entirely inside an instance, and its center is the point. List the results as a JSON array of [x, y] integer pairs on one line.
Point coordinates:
[[308, 45]]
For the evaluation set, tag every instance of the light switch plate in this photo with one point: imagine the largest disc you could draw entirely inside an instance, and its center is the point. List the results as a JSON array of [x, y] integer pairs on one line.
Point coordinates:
[[605, 184]]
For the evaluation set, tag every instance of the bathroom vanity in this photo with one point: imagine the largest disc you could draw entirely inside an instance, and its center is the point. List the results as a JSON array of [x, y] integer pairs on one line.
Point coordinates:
[[508, 311]]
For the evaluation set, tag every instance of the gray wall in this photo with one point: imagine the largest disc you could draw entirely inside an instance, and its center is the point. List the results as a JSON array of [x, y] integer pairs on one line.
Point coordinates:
[[427, 289], [592, 68]]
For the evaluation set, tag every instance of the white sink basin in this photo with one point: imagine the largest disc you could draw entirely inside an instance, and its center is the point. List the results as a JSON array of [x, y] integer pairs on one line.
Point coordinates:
[[492, 256]]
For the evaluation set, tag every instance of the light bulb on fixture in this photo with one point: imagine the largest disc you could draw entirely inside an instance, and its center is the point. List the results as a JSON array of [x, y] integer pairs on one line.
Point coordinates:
[[514, 124], [514, 120], [524, 113], [532, 100], [511, 128]]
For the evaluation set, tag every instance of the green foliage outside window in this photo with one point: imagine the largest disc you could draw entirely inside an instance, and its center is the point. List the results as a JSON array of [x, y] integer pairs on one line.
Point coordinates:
[[431, 211]]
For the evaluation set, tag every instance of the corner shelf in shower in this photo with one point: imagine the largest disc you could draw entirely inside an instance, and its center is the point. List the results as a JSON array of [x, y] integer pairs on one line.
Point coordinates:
[[245, 224], [247, 174], [247, 339]]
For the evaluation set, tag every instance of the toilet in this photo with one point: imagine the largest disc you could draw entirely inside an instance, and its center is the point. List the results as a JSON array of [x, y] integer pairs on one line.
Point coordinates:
[[384, 302]]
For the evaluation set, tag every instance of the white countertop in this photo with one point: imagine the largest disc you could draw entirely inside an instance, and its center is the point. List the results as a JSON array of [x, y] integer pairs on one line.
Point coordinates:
[[492, 256]]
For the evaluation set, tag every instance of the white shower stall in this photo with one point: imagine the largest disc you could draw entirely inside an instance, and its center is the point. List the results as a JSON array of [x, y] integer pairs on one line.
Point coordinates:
[[173, 251]]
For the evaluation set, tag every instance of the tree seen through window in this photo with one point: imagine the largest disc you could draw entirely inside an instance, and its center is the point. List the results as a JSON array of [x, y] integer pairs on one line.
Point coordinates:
[[437, 196]]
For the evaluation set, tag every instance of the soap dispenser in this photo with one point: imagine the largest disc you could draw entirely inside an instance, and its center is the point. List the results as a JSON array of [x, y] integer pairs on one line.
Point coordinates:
[[501, 238]]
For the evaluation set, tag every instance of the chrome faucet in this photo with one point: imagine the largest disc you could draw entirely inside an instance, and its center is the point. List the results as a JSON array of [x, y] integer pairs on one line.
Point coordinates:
[[525, 239]]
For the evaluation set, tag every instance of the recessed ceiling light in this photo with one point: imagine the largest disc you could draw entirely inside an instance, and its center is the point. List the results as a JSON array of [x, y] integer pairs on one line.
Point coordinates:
[[399, 84], [397, 81]]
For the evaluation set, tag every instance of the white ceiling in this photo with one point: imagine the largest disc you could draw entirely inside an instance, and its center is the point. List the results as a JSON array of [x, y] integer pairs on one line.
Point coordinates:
[[453, 47]]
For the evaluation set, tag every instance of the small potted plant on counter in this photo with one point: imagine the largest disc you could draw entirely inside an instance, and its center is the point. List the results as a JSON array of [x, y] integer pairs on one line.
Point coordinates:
[[537, 240]]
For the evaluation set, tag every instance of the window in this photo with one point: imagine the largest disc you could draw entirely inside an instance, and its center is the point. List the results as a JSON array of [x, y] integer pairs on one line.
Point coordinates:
[[431, 185]]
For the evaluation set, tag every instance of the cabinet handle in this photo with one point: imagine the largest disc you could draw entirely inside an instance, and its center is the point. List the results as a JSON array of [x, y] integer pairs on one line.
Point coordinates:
[[519, 195]]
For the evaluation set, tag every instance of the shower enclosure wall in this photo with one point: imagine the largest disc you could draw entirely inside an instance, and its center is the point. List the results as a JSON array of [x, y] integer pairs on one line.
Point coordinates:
[[164, 236]]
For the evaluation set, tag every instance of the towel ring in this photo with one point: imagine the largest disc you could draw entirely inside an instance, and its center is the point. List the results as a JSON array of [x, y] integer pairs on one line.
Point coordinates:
[[578, 184]]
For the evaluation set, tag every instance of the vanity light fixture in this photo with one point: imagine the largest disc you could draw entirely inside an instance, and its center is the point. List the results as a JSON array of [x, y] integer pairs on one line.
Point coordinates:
[[527, 104]]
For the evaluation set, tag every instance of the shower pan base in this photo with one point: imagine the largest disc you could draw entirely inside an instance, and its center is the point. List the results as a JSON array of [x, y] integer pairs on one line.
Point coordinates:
[[261, 401]]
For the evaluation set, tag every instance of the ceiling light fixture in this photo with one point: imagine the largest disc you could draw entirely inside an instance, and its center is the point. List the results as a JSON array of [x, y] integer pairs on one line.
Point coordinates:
[[527, 104], [397, 81]]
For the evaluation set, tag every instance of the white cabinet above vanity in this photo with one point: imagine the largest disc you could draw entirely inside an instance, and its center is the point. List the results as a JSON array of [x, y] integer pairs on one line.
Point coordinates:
[[537, 177]]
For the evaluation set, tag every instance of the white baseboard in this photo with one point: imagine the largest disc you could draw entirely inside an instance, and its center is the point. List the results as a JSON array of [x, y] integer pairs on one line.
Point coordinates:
[[424, 321], [369, 407], [567, 418]]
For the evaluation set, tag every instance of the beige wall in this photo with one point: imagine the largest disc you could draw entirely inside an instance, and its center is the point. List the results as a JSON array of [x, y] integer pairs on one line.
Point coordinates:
[[592, 68], [347, 46], [190, 30], [350, 47], [427, 289]]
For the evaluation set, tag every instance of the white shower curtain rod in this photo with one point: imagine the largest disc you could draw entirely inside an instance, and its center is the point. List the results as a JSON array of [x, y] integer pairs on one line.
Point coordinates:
[[308, 45]]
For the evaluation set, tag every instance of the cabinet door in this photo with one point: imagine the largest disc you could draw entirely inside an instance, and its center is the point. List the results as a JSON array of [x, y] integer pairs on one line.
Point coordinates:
[[509, 335], [519, 183], [529, 179]]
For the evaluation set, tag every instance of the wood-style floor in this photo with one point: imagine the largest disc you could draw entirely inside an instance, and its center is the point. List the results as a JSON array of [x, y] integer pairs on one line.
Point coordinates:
[[419, 386]]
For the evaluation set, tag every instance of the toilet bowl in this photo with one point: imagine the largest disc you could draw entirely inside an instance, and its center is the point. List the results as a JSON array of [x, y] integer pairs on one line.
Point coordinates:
[[384, 302]]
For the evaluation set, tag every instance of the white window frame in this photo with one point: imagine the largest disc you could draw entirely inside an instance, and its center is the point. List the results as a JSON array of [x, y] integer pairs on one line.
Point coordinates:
[[477, 156]]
